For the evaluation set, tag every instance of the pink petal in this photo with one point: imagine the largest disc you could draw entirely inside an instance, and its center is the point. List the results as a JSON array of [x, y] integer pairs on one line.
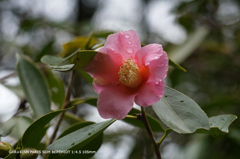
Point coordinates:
[[104, 67], [115, 101], [150, 93], [155, 59], [125, 43]]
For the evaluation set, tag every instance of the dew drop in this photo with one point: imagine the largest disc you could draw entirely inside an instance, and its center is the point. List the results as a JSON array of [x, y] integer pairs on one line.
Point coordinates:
[[129, 50], [181, 101], [165, 96], [129, 42], [89, 133], [135, 45], [157, 83], [73, 143], [147, 63], [127, 36]]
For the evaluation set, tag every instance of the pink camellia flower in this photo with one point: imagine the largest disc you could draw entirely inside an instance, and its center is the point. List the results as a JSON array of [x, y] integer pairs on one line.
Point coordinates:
[[124, 73]]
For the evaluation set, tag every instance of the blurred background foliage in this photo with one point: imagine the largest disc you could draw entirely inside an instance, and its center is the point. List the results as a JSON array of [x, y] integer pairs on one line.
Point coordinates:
[[202, 35]]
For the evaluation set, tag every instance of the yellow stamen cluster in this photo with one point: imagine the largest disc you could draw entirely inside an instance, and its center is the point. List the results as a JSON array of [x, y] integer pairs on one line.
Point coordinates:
[[129, 74]]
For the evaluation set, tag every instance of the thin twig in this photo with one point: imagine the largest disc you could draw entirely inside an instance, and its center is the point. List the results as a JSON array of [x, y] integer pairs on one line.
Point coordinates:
[[67, 99], [8, 76], [150, 133], [166, 132]]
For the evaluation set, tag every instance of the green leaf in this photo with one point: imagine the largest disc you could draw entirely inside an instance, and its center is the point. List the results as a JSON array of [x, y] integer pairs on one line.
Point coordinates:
[[63, 68], [93, 145], [34, 86], [177, 66], [35, 131], [51, 60], [218, 124], [180, 112], [155, 125], [77, 139], [81, 58], [56, 87], [84, 57], [18, 124]]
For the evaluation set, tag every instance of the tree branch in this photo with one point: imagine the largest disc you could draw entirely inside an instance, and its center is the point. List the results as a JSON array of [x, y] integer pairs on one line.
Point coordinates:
[[150, 133], [67, 99]]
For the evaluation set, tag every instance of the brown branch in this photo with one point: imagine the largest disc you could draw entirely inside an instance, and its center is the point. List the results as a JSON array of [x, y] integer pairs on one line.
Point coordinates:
[[150, 133], [67, 99], [8, 76]]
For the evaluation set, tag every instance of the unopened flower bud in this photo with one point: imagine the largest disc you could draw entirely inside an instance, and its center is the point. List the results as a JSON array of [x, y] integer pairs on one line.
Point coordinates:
[[29, 153], [4, 149]]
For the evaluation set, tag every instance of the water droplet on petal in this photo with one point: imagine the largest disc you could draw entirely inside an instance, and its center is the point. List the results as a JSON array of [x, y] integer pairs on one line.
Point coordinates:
[[157, 83], [129, 42], [147, 63], [130, 50], [127, 36], [135, 45]]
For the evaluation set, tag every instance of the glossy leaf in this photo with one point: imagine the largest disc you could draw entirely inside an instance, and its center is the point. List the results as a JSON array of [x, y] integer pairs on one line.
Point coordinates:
[[81, 59], [219, 124], [177, 66], [180, 113], [77, 139], [94, 145], [34, 86], [155, 125], [34, 131]]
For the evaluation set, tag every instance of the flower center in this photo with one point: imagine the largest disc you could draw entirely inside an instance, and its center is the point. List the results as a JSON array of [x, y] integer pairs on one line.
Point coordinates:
[[129, 74]]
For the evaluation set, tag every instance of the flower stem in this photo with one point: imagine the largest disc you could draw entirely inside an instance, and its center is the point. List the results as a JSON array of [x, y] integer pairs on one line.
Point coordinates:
[[67, 99], [150, 133], [167, 131], [131, 117]]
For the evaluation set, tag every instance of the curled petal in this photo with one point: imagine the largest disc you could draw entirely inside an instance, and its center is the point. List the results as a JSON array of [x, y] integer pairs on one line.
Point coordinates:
[[150, 93], [115, 101], [125, 43], [155, 59], [104, 67]]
